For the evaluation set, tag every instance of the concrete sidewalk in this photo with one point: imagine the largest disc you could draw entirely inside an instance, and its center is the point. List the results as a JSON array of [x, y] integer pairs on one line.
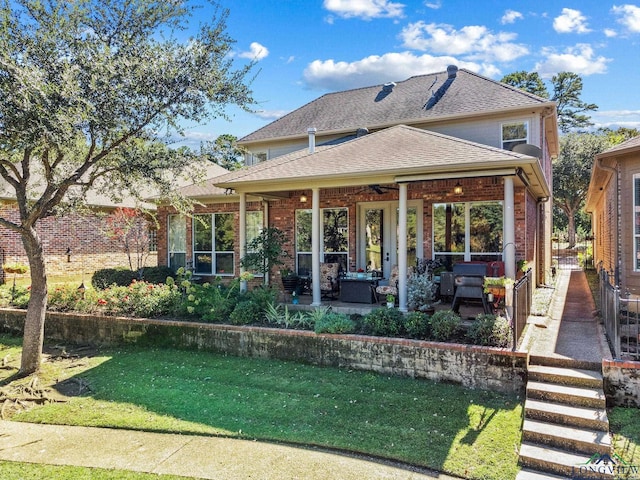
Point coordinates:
[[201, 457], [571, 329]]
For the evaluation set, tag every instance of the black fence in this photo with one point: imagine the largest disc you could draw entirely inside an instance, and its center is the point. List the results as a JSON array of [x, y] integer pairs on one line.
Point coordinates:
[[580, 255], [522, 297], [621, 316]]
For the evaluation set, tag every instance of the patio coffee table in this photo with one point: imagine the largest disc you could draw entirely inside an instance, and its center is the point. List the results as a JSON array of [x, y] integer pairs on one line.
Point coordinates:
[[358, 290]]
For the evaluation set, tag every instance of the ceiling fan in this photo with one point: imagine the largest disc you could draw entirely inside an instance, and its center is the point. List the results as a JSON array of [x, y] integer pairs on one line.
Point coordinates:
[[379, 189]]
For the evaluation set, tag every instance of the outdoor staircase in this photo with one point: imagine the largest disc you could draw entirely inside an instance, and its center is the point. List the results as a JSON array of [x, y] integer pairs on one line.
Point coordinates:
[[565, 420]]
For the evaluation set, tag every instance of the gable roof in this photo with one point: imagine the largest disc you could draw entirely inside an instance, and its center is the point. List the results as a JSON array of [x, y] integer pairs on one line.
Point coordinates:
[[384, 156], [419, 99], [625, 147]]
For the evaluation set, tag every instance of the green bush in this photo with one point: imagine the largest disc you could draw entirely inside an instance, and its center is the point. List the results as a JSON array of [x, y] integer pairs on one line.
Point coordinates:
[[489, 330], [417, 325], [246, 312], [444, 325], [157, 275], [334, 323], [384, 322], [106, 277], [140, 299], [17, 298]]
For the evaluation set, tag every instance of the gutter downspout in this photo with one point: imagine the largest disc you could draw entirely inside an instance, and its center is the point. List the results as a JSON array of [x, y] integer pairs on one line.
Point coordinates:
[[614, 172]]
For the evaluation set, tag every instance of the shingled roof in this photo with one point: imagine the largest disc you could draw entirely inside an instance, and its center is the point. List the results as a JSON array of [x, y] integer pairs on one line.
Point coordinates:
[[383, 156], [419, 99]]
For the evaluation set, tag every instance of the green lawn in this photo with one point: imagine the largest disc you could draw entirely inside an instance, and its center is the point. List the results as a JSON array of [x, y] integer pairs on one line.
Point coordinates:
[[29, 471], [445, 427]]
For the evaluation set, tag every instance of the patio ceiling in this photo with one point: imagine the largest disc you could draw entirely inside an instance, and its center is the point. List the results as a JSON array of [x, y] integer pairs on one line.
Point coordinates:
[[396, 154]]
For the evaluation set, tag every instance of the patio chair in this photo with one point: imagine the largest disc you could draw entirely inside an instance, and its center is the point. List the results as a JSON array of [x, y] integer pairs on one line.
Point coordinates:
[[329, 280], [391, 286]]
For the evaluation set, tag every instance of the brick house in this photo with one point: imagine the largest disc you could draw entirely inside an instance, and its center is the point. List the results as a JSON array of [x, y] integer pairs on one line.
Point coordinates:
[[615, 176], [76, 243], [450, 165]]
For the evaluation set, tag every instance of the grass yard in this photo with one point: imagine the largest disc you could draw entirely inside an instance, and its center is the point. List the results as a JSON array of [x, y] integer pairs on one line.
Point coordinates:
[[29, 471], [469, 433]]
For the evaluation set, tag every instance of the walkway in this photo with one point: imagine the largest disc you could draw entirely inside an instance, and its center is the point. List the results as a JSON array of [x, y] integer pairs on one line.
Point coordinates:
[[571, 330]]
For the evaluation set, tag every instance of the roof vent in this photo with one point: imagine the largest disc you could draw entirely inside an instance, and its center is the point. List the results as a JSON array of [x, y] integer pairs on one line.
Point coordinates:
[[452, 71], [361, 132], [388, 87]]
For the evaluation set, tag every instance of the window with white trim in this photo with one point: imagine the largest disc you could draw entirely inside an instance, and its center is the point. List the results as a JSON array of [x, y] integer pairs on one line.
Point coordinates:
[[214, 244], [514, 133], [636, 222], [177, 241], [467, 231], [334, 246]]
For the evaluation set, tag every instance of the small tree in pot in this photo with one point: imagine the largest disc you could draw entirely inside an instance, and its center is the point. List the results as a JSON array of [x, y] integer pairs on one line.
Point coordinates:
[[265, 252]]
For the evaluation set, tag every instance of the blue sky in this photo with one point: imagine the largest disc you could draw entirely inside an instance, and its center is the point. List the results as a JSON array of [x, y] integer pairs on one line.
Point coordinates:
[[304, 49]]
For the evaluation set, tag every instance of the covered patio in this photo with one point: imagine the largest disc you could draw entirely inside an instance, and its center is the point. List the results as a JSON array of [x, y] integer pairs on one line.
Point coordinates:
[[418, 178]]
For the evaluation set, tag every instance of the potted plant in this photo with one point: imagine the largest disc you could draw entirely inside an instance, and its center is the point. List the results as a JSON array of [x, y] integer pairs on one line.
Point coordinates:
[[265, 252], [421, 292], [289, 280], [391, 300], [15, 268]]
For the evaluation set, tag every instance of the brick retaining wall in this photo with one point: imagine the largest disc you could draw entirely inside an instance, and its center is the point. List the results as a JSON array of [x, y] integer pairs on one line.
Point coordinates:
[[622, 382], [470, 366]]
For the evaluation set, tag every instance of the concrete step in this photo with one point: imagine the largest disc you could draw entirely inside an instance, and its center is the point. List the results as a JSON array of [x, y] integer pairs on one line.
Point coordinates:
[[581, 417], [572, 439], [559, 462], [576, 396], [528, 474], [565, 376], [563, 362]]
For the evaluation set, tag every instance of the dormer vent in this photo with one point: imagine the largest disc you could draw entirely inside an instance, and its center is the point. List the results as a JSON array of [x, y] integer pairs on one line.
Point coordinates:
[[388, 87]]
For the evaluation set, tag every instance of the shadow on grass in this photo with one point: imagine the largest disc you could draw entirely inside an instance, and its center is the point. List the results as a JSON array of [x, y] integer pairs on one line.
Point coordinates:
[[438, 426]]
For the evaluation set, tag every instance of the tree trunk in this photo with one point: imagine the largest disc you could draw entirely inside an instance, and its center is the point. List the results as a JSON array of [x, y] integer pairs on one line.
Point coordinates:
[[571, 228], [34, 322]]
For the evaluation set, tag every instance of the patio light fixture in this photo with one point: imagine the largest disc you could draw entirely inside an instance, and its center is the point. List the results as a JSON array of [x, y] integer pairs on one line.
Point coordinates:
[[457, 190], [303, 198]]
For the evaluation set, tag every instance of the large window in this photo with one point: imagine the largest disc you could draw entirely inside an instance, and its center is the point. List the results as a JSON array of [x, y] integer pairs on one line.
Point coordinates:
[[467, 231], [335, 238], [213, 244], [514, 134], [636, 222], [177, 245]]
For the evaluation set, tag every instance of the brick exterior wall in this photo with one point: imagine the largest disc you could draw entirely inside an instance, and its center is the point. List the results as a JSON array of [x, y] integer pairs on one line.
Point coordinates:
[[281, 213], [84, 235]]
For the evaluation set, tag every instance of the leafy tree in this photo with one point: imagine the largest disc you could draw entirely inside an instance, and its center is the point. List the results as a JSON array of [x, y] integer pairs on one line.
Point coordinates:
[[527, 81], [265, 252], [572, 173], [129, 229], [567, 88], [224, 151], [85, 88]]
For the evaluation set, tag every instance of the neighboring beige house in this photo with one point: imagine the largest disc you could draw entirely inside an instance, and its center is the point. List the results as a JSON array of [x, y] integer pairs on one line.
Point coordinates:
[[614, 203], [450, 165]]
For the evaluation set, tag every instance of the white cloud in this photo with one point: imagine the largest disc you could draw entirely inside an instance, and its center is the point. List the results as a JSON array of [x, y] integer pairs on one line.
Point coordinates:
[[474, 41], [571, 21], [629, 16], [256, 52], [433, 5], [270, 114], [580, 59], [511, 16], [610, 32], [378, 69], [365, 9], [616, 118]]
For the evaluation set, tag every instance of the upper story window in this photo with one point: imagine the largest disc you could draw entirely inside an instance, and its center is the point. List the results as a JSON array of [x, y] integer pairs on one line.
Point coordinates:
[[514, 133], [256, 158]]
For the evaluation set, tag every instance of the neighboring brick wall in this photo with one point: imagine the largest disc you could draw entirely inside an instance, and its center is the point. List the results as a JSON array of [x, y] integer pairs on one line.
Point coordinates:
[[84, 235], [473, 367], [622, 383]]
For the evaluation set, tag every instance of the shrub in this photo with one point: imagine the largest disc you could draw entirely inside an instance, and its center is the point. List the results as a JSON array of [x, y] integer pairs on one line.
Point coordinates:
[[282, 317], [417, 325], [246, 312], [384, 322], [157, 275], [444, 325], [106, 277], [17, 297], [335, 323], [140, 299], [66, 298], [490, 330]]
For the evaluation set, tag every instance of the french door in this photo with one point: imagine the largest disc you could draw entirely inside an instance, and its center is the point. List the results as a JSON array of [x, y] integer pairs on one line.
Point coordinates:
[[378, 235]]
